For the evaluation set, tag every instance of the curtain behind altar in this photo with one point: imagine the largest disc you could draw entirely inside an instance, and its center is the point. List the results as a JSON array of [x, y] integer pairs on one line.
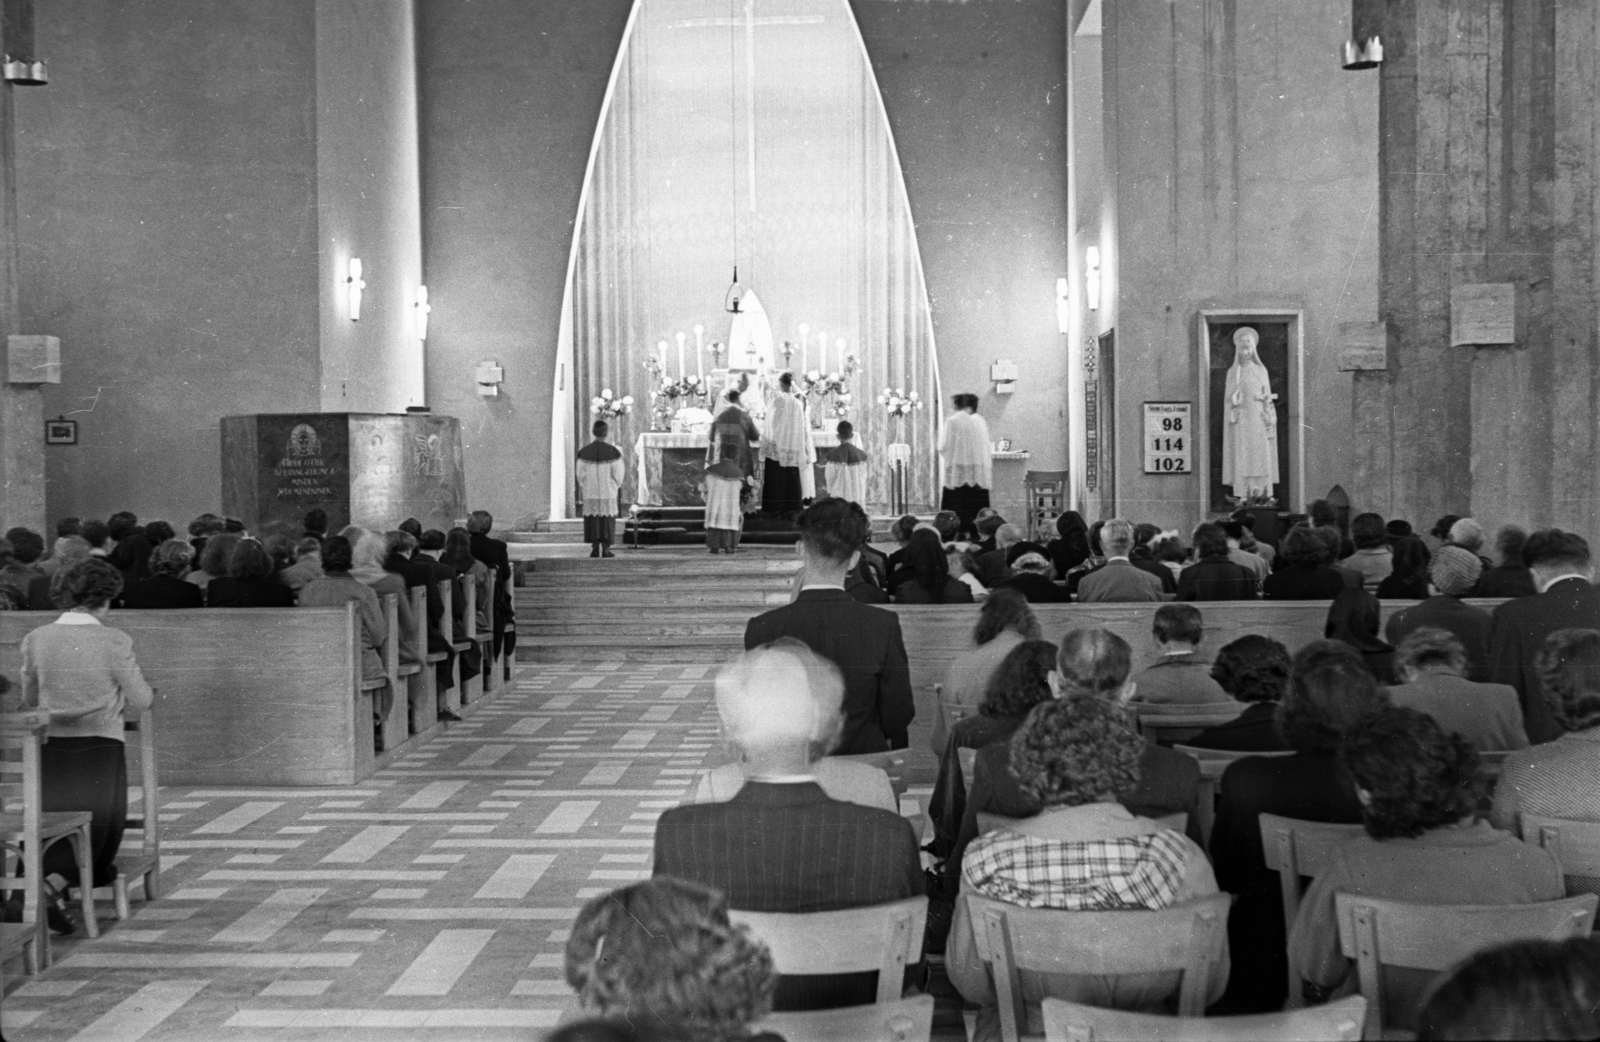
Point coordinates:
[[824, 232]]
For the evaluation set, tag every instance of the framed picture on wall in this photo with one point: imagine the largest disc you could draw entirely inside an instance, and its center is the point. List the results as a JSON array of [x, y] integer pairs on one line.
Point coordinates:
[[1255, 445], [61, 431]]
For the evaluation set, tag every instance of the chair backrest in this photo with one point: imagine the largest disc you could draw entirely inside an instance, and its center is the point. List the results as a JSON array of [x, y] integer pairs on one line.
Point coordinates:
[[1187, 938], [1214, 762], [149, 778], [1378, 932], [487, 607], [1168, 724], [905, 1020], [1576, 844], [21, 737], [469, 608], [886, 938], [987, 822], [1295, 849], [392, 638], [447, 623], [419, 621], [1336, 1022], [892, 763]]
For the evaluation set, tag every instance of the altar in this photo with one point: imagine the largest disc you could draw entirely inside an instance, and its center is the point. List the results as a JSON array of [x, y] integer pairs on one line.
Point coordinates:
[[670, 465]]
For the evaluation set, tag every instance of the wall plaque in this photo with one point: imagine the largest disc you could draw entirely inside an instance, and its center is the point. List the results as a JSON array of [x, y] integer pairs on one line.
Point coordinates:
[[1483, 313], [1168, 437]]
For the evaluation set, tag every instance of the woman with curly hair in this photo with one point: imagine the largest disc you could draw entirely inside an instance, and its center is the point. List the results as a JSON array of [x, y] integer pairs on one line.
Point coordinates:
[[1254, 670], [1004, 621], [1303, 573], [83, 673], [1525, 989], [1083, 852], [1021, 682], [662, 956], [1419, 790], [1560, 779], [213, 555], [165, 588], [1329, 692]]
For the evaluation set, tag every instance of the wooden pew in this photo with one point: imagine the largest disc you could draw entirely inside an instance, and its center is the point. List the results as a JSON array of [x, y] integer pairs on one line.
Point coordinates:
[[248, 696], [422, 683]]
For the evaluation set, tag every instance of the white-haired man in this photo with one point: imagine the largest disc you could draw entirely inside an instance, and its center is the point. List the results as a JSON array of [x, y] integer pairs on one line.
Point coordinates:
[[1119, 580], [782, 844]]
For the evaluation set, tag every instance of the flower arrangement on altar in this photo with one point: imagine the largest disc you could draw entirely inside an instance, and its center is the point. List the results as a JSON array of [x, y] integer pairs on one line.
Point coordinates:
[[607, 406], [897, 402]]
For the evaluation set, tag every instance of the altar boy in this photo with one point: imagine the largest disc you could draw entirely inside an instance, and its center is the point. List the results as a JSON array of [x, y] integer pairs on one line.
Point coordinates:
[[600, 474], [845, 467]]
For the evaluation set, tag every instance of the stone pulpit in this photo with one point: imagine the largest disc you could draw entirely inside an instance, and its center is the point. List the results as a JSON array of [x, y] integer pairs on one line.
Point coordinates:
[[372, 470]]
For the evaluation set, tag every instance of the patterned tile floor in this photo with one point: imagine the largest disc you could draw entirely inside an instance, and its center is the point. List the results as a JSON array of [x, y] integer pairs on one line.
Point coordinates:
[[432, 901]]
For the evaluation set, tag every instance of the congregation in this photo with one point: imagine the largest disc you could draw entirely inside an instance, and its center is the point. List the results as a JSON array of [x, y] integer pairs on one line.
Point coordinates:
[[1425, 750]]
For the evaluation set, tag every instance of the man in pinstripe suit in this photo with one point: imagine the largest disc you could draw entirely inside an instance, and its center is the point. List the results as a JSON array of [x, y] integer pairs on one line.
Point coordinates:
[[781, 844]]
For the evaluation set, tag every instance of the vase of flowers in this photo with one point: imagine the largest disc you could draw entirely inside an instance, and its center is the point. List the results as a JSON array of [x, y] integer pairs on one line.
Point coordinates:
[[607, 406]]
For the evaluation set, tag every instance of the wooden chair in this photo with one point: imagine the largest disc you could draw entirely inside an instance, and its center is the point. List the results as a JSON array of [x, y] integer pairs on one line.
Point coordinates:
[[21, 737], [1576, 845], [1212, 763], [56, 826], [145, 863], [483, 636], [1377, 932], [1187, 938], [1297, 849], [1047, 498], [452, 697], [907, 1020], [886, 938], [1167, 725], [1178, 822], [1336, 1022], [418, 679], [893, 763]]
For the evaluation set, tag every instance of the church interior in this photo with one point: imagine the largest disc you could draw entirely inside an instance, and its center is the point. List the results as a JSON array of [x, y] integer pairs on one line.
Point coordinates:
[[1238, 270]]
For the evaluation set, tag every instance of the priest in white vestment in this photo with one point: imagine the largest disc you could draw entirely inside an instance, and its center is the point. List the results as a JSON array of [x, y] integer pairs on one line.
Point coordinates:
[[968, 463], [845, 467], [785, 448]]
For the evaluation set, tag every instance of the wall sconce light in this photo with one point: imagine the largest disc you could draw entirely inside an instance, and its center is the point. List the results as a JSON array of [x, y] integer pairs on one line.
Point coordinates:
[[423, 308], [1363, 54], [1091, 276], [26, 72], [489, 377], [1063, 305], [353, 287], [1364, 49]]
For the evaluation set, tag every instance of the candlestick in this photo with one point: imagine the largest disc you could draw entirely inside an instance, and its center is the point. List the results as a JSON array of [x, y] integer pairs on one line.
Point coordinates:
[[805, 345], [661, 349], [822, 344], [682, 372], [699, 352]]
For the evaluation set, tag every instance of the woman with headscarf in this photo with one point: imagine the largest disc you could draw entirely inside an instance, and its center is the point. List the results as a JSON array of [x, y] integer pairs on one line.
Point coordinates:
[[968, 462], [924, 578], [1070, 548], [1353, 620]]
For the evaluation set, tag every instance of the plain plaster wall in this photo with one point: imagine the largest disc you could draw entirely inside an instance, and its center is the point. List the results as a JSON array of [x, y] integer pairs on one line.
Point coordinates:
[[976, 98], [166, 195], [369, 204], [511, 94], [1242, 173]]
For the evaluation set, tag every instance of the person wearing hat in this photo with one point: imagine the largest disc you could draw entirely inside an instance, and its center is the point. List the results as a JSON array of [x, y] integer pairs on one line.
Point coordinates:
[[1454, 573]]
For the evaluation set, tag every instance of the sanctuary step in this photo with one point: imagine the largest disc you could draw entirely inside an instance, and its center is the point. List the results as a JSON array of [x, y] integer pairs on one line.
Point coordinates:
[[656, 604]]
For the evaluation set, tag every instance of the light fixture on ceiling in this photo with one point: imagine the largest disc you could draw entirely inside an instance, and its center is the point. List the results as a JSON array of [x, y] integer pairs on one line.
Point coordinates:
[[1364, 49], [1091, 276], [353, 287], [423, 309]]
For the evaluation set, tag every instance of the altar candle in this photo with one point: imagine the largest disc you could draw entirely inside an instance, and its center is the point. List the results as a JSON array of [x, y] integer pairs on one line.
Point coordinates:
[[805, 346], [839, 343], [699, 352], [661, 349], [822, 346], [682, 372]]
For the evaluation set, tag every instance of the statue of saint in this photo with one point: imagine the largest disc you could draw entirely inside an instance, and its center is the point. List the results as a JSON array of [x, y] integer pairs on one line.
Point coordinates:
[[1249, 422]]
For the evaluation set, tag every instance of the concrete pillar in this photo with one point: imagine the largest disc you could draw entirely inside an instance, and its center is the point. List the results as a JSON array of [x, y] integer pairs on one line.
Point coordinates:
[[21, 405], [1488, 148]]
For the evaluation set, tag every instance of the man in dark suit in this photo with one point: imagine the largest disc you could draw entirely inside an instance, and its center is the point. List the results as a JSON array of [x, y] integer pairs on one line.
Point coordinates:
[[495, 556], [1567, 599], [863, 641], [781, 844], [1213, 576]]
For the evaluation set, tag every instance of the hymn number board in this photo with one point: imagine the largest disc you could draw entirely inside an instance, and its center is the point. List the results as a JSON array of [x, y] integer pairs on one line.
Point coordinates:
[[1168, 438]]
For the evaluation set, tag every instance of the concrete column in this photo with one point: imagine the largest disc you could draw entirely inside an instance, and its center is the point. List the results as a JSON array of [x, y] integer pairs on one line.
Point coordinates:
[[1488, 146], [21, 405]]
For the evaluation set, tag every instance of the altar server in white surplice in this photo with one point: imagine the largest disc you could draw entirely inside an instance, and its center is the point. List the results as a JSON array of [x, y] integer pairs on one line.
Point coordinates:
[[968, 463], [600, 474], [786, 449], [846, 467]]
